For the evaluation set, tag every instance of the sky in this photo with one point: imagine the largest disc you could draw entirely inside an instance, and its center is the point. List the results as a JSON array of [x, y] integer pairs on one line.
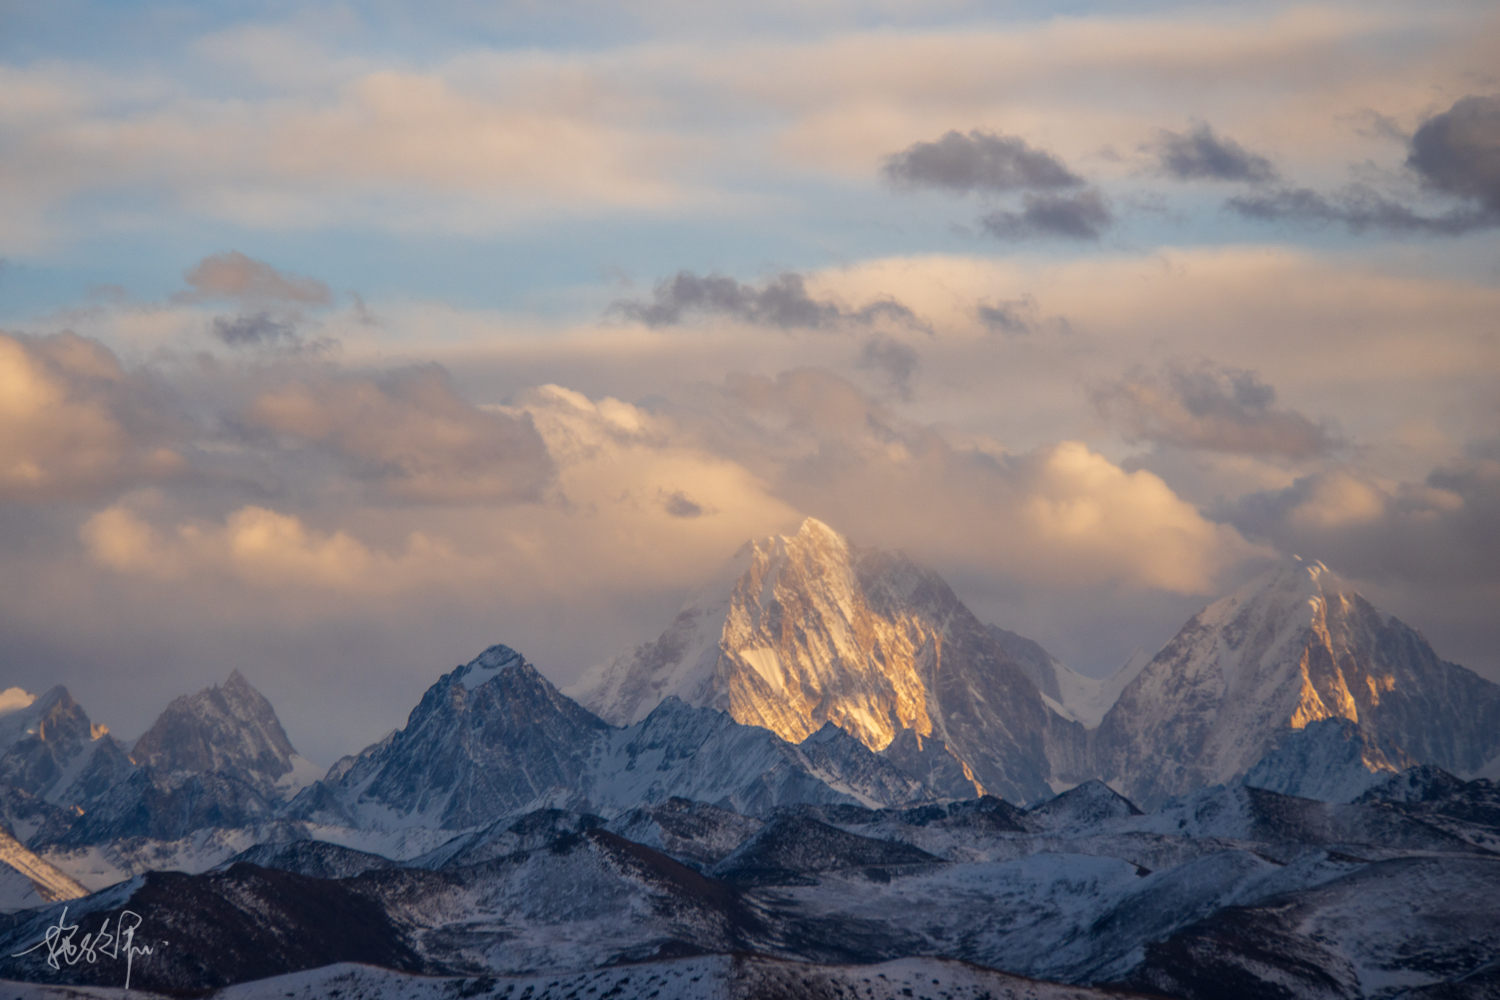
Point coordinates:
[[339, 341]]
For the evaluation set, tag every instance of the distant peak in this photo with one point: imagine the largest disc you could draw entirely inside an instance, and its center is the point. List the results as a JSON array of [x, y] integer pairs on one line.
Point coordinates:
[[814, 534], [488, 665]]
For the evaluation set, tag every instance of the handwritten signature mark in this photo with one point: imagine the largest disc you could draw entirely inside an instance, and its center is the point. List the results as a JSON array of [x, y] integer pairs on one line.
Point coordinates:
[[62, 947]]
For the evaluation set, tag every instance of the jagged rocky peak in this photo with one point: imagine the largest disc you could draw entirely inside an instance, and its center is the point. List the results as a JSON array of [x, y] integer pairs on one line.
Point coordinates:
[[53, 717], [1294, 646], [491, 736], [228, 728], [806, 629], [50, 748]]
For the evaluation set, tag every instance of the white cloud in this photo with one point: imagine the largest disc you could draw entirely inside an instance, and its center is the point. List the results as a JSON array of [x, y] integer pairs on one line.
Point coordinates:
[[73, 423]]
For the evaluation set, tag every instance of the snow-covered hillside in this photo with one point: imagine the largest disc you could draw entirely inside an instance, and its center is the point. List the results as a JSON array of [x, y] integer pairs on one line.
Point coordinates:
[[1291, 647]]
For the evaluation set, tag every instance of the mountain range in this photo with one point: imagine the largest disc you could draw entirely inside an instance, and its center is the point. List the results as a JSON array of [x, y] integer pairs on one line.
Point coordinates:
[[825, 758]]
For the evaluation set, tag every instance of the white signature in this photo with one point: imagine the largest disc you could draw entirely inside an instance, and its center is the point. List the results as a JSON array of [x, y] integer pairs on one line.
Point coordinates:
[[61, 946]]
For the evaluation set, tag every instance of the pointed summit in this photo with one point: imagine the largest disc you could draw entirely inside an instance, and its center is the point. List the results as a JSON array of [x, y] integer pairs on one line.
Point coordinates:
[[806, 629], [230, 729], [1293, 646]]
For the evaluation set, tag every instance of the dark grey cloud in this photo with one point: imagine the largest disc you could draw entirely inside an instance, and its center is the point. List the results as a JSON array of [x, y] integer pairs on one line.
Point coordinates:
[[1212, 408], [1082, 216], [254, 330], [1458, 152], [1359, 209], [1014, 317], [898, 361], [979, 161], [1200, 154], [1455, 153], [781, 302], [679, 504], [1443, 531]]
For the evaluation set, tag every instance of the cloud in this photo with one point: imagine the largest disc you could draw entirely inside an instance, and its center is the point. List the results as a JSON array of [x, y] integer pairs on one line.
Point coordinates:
[[267, 548], [1359, 209], [1083, 216], [898, 361], [1442, 532], [979, 161], [1454, 153], [1458, 152], [679, 504], [1057, 515], [411, 434], [1200, 154], [74, 424], [254, 330], [781, 302], [236, 277], [1214, 408]]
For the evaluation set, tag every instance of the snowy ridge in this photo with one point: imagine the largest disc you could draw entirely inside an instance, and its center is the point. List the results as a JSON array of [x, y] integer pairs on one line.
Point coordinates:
[[512, 743], [26, 880], [1292, 647], [804, 630]]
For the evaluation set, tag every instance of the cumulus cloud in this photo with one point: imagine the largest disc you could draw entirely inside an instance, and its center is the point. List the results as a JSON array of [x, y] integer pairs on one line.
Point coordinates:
[[74, 424], [1215, 408], [1201, 154], [782, 302], [998, 164], [411, 434], [1056, 515], [267, 548], [979, 161], [1455, 153], [1458, 152], [1442, 532], [1081, 216], [236, 277]]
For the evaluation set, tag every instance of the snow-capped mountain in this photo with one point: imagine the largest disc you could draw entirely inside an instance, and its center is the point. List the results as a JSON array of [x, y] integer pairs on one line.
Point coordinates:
[[52, 751], [227, 729], [1294, 646], [803, 630], [494, 738]]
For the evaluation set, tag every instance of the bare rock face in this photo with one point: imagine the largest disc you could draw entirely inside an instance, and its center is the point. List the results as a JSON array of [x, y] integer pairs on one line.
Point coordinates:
[[1295, 646], [806, 630], [229, 729]]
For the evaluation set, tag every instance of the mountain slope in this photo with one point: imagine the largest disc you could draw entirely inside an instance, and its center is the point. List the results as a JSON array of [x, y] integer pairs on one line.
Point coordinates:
[[1291, 647], [51, 744], [800, 631], [230, 729], [495, 738]]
